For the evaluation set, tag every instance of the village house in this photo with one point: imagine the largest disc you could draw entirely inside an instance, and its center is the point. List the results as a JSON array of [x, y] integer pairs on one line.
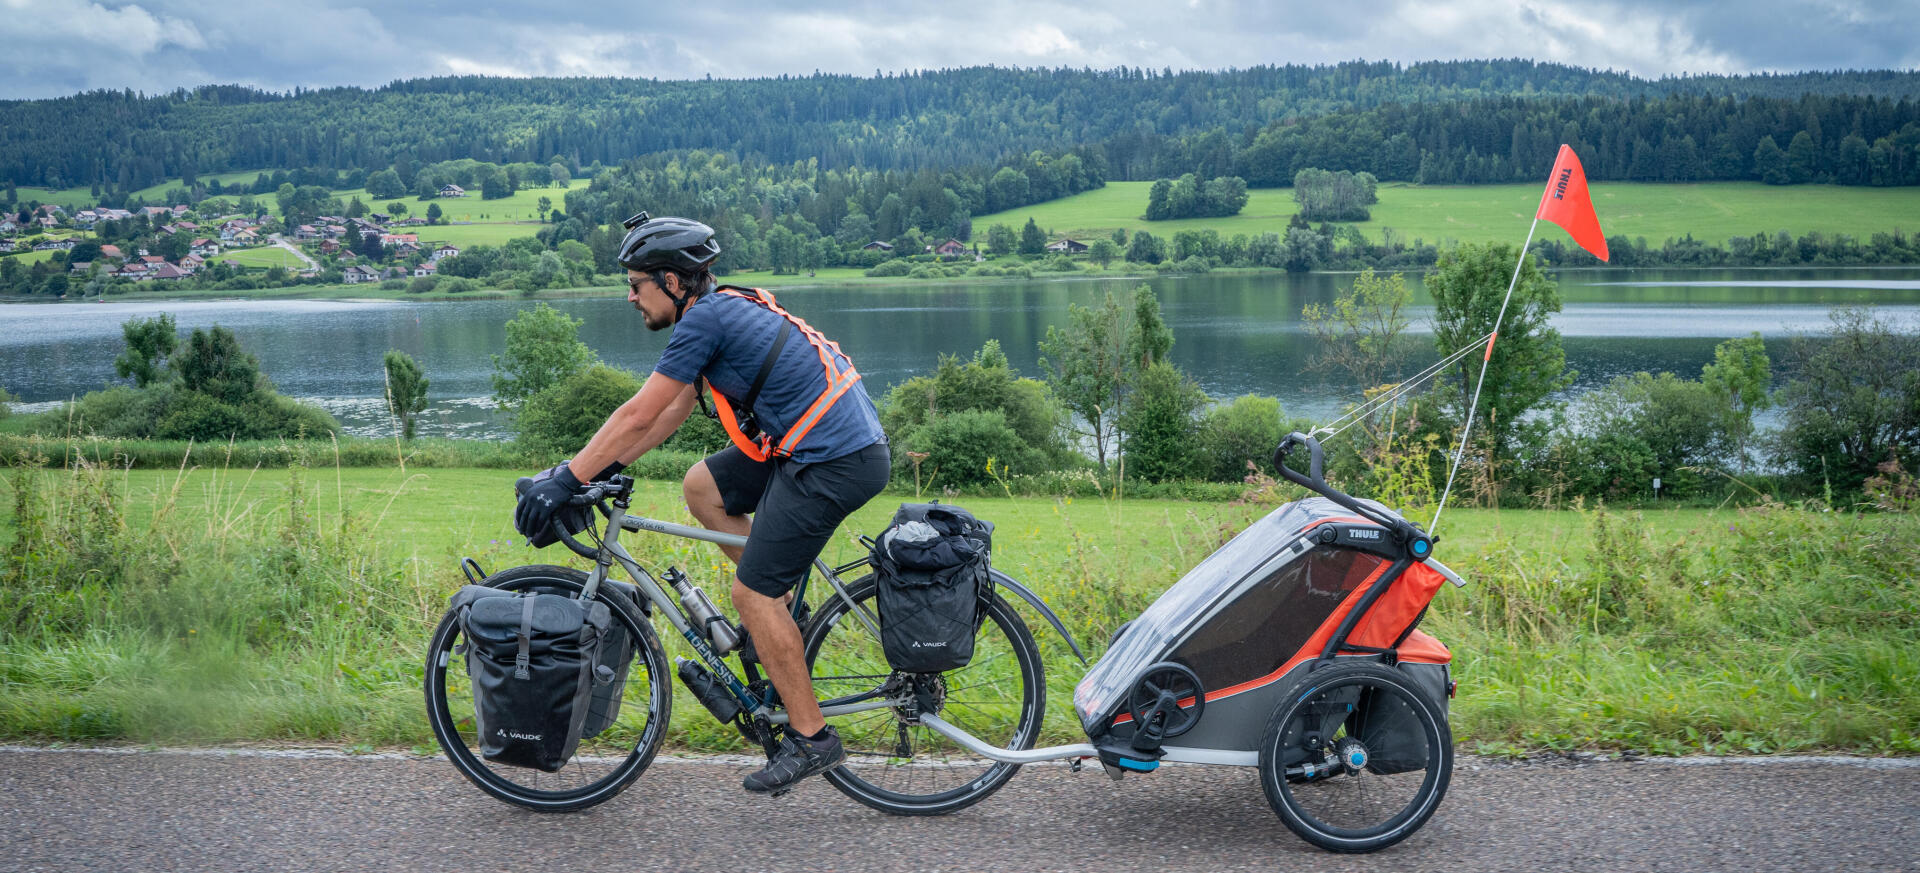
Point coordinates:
[[952, 248], [57, 245], [86, 217], [205, 247], [7, 225], [394, 239], [181, 209], [877, 246], [47, 221], [52, 209], [329, 247], [305, 231], [380, 217], [156, 212], [245, 238], [134, 270], [168, 272], [6, 245], [192, 263], [356, 274], [410, 221], [113, 214], [451, 190], [112, 251], [1067, 246], [425, 268], [79, 268], [446, 250]]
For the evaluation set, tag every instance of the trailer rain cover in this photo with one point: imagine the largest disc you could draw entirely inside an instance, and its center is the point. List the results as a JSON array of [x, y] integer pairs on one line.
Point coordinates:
[[1255, 554]]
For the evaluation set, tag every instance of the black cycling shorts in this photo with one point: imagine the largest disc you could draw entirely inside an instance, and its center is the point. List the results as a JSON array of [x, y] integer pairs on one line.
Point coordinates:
[[796, 507]]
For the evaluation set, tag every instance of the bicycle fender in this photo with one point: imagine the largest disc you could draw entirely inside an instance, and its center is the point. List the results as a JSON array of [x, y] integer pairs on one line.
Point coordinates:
[[1033, 600]]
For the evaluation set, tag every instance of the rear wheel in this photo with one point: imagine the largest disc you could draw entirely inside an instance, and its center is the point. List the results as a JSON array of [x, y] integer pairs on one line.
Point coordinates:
[[1356, 758], [897, 766], [605, 764]]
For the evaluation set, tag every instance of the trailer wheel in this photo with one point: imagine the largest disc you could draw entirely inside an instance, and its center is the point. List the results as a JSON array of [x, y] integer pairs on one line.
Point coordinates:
[[1355, 758]]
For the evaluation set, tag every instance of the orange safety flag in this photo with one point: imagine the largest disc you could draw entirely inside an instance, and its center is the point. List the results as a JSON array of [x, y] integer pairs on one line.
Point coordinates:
[[1567, 203]]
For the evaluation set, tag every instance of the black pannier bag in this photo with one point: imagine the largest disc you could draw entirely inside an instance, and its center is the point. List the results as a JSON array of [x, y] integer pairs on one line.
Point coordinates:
[[1395, 741], [531, 657], [614, 659], [932, 570]]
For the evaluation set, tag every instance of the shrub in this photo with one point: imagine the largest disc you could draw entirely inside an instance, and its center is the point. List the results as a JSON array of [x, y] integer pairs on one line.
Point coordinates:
[[422, 284], [394, 284], [987, 382], [1231, 435], [456, 285], [891, 268], [959, 446], [1853, 403], [564, 416]]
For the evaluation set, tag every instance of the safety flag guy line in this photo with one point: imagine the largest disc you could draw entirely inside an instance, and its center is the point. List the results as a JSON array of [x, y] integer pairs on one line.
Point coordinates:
[[1567, 203]]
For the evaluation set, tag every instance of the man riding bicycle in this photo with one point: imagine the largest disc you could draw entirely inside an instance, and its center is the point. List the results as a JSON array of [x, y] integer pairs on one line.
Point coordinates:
[[808, 450]]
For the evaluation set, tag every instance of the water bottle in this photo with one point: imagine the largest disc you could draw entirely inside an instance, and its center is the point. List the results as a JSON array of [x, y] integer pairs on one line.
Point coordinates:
[[701, 612]]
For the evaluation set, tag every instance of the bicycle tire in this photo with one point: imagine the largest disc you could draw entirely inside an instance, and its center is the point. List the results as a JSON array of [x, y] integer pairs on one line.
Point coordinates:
[[604, 765], [935, 777], [1375, 806]]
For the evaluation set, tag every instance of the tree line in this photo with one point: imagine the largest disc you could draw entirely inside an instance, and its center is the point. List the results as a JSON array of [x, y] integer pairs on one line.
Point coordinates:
[[938, 119]]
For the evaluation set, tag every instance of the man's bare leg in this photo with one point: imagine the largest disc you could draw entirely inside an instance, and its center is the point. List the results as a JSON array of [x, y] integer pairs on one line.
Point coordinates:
[[777, 641], [703, 500]]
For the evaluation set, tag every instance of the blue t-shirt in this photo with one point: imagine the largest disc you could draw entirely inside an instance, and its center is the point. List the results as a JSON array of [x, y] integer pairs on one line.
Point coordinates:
[[726, 339]]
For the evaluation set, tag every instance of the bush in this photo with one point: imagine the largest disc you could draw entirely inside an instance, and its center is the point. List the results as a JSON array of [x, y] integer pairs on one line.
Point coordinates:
[[1057, 264], [456, 285], [891, 268], [1853, 404], [959, 446], [422, 284], [987, 382], [1231, 435], [699, 435], [564, 416], [395, 284]]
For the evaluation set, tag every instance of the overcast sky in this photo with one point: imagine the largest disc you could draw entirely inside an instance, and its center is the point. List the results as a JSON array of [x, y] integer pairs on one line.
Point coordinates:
[[56, 47]]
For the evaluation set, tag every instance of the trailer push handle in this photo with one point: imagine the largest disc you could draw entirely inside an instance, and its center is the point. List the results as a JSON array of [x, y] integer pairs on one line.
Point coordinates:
[[1418, 543]]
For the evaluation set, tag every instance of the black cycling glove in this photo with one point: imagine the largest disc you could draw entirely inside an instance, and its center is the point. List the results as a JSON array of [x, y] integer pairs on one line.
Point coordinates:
[[545, 499]]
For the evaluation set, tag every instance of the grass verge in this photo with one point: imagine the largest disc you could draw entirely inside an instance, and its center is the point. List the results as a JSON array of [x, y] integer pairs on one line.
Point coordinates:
[[232, 603]]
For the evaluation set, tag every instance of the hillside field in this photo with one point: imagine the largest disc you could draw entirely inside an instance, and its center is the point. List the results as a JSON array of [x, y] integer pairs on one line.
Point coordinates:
[[1480, 213]]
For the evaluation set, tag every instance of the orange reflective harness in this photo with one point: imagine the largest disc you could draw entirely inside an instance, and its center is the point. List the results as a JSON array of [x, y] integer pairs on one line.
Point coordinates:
[[757, 445]]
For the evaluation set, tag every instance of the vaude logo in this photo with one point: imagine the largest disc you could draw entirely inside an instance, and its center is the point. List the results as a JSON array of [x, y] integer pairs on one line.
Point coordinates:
[[920, 645], [517, 735], [1364, 534]]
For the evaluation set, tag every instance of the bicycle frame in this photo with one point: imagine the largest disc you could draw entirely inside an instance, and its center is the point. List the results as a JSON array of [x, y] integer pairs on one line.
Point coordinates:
[[753, 705]]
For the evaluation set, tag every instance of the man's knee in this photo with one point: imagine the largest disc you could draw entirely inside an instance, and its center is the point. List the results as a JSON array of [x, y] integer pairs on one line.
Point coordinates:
[[700, 490]]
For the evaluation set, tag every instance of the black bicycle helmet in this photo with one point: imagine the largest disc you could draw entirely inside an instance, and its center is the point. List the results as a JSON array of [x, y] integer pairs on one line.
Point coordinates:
[[668, 243]]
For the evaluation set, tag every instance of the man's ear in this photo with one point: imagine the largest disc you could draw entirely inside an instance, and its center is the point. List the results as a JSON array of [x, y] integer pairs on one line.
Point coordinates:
[[672, 285]]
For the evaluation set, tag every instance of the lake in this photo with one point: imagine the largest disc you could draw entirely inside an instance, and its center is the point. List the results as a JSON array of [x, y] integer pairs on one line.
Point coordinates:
[[1235, 334]]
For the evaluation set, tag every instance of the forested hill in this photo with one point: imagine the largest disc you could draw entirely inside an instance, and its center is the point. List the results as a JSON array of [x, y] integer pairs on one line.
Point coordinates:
[[935, 119]]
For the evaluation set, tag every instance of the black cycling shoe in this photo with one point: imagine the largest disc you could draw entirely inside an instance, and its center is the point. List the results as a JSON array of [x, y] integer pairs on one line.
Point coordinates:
[[795, 759]]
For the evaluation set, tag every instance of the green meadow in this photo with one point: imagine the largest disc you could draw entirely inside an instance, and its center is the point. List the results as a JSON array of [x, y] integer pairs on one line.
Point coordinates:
[[1501, 213], [262, 257], [292, 605]]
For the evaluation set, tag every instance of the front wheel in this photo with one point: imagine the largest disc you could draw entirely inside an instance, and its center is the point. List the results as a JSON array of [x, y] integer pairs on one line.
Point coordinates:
[[898, 766], [605, 763], [1356, 757]]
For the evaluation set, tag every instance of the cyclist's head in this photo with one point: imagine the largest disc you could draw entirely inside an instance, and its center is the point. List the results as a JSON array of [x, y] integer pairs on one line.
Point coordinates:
[[675, 254]]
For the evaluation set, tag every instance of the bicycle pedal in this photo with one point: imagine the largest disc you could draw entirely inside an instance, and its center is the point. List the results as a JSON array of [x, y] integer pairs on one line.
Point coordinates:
[[780, 792]]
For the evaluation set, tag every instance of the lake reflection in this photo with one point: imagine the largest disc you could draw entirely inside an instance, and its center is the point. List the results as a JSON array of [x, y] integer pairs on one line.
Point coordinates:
[[1234, 334]]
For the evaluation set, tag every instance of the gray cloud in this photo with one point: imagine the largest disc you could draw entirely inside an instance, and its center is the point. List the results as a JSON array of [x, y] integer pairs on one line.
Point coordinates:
[[61, 46]]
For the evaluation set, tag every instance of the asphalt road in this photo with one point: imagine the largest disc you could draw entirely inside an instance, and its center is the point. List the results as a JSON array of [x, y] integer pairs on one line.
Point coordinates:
[[165, 811]]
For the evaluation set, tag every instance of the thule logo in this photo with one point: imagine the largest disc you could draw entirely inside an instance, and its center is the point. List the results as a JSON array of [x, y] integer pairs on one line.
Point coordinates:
[[1364, 534], [937, 645], [534, 738]]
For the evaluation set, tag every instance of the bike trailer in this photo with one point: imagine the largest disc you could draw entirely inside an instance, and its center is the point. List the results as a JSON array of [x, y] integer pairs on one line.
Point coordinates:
[[1253, 617], [533, 659]]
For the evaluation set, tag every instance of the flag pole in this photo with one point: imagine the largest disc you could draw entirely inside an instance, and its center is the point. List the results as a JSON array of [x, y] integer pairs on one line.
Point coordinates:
[[1467, 427]]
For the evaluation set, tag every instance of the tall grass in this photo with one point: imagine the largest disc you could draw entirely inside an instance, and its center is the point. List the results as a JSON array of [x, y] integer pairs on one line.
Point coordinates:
[[231, 603]]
